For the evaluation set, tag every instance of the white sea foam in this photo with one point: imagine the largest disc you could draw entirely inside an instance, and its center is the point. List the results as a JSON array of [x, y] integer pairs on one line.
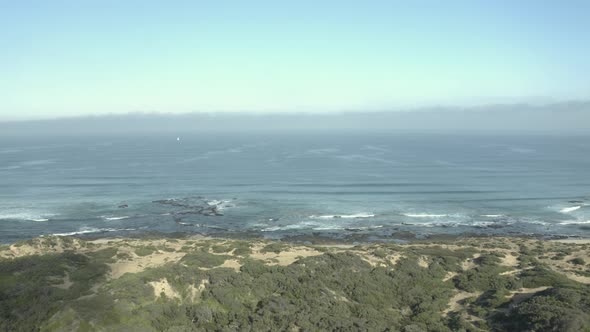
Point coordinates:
[[221, 204], [343, 216], [574, 222], [6, 168], [271, 229], [492, 215], [426, 224], [87, 230], [327, 228], [303, 225], [424, 215], [570, 209], [286, 228], [115, 218], [364, 228], [479, 223], [26, 216], [38, 162]]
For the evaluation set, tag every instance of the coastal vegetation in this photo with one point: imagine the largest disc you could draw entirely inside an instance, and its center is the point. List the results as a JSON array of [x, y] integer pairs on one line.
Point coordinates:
[[204, 284]]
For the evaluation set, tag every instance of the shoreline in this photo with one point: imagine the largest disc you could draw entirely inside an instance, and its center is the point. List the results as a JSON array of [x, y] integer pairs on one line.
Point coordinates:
[[401, 237]]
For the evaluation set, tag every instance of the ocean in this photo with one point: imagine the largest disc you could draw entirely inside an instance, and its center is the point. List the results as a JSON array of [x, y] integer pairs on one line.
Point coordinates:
[[337, 184]]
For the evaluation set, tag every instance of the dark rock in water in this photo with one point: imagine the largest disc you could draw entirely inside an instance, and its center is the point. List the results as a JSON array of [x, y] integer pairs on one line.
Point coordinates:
[[496, 226], [194, 206], [337, 217], [188, 212], [122, 206]]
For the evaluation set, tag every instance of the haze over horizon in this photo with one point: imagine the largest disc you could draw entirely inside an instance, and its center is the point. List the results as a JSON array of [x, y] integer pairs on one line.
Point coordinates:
[[66, 58]]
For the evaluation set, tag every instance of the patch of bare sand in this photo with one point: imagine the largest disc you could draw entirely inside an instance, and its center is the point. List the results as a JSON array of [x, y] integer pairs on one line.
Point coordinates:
[[509, 260], [450, 275], [375, 261], [42, 246], [514, 272], [286, 257], [232, 264], [66, 284], [469, 263], [107, 241], [338, 246], [393, 259], [565, 267], [140, 263], [454, 302], [578, 278], [524, 293], [574, 241], [423, 262], [372, 260], [163, 287], [196, 291]]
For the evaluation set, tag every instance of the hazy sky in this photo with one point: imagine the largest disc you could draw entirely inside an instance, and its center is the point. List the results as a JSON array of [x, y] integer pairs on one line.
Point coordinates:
[[92, 57]]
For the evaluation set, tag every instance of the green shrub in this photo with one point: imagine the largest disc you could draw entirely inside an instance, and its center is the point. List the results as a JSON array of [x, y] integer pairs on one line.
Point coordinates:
[[485, 276], [556, 309], [274, 247], [577, 261], [203, 259], [145, 250]]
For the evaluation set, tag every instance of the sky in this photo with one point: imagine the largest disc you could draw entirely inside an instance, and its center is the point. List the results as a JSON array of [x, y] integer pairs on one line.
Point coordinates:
[[70, 58]]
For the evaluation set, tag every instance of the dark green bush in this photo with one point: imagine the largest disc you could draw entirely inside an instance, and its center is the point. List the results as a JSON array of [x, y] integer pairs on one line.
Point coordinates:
[[577, 261]]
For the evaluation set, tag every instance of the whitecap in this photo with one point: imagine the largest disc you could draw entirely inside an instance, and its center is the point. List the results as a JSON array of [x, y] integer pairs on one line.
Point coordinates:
[[365, 228], [7, 168], [521, 150], [570, 209], [343, 216], [327, 228], [25, 216], [492, 215], [271, 229], [87, 230], [221, 204], [285, 228], [574, 222], [38, 162], [297, 226], [425, 224], [115, 218], [424, 215]]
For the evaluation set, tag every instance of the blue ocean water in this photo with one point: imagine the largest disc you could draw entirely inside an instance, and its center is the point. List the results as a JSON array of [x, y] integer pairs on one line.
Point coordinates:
[[336, 184]]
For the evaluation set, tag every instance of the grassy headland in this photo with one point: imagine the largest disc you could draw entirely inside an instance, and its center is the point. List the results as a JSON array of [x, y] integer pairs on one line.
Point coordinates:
[[209, 284]]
